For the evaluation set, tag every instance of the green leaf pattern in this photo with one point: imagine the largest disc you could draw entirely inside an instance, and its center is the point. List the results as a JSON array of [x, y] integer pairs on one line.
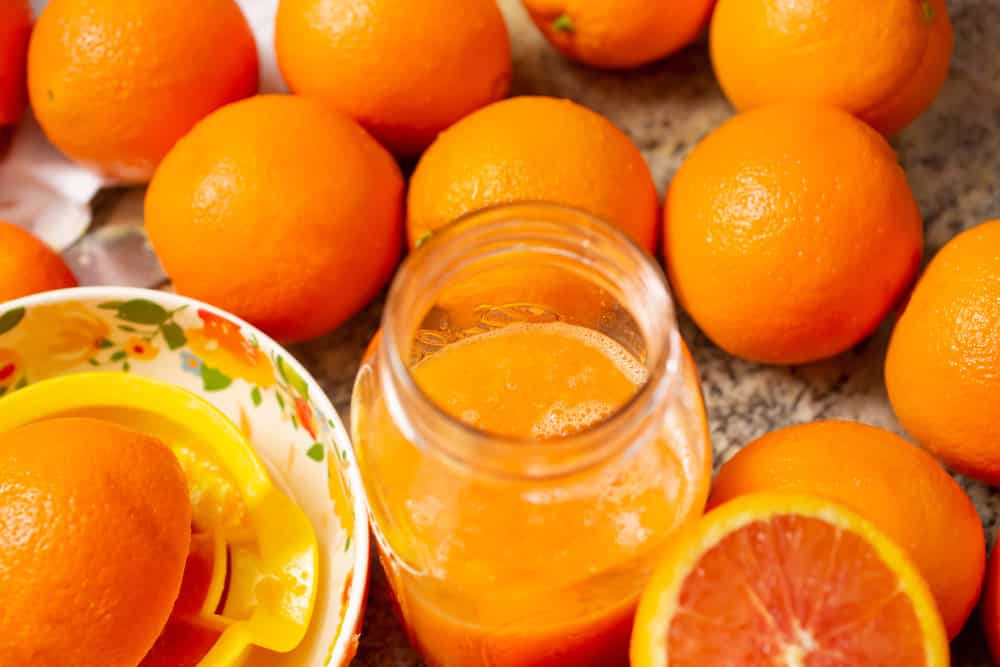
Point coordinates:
[[294, 380], [213, 379], [173, 335], [139, 311], [11, 319]]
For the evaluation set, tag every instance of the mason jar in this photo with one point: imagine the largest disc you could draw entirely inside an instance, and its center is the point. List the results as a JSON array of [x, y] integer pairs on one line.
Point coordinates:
[[531, 432]]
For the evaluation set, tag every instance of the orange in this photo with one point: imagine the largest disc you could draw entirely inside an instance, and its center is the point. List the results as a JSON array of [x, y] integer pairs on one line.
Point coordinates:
[[15, 29], [773, 579], [281, 211], [28, 266], [991, 604], [895, 485], [943, 365], [404, 69], [534, 149], [791, 232], [182, 643], [115, 83], [883, 61], [617, 34], [95, 523]]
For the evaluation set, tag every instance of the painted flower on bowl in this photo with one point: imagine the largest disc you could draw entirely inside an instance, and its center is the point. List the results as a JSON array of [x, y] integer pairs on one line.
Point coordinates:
[[220, 344], [141, 349], [60, 336], [190, 363], [11, 369], [307, 420]]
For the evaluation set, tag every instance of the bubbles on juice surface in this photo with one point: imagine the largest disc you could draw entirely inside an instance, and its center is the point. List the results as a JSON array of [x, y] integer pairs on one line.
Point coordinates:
[[618, 355], [561, 420], [630, 531], [426, 511]]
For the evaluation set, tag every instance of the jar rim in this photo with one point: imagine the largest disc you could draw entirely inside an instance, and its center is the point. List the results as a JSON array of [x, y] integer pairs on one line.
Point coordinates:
[[423, 422]]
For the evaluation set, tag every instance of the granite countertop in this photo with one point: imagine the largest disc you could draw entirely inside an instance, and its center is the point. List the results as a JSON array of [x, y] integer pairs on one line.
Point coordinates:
[[953, 162]]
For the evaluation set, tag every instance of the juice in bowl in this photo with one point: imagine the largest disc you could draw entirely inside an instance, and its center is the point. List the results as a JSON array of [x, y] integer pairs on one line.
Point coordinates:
[[530, 432]]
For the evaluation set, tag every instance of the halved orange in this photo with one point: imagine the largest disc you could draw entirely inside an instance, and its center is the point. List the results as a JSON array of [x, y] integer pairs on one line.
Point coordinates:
[[782, 580]]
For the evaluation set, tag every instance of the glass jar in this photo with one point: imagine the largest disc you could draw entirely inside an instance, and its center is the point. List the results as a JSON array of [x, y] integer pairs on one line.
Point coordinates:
[[503, 549]]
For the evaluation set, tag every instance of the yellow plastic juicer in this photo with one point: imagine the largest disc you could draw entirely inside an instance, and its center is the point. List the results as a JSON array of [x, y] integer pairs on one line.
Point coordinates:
[[252, 573]]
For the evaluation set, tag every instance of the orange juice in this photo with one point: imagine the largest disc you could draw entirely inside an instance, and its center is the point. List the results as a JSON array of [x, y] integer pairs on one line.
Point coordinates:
[[527, 380], [544, 576], [525, 463]]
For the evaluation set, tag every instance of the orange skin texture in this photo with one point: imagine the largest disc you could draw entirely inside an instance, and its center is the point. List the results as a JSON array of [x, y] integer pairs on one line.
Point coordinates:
[[15, 30], [534, 149], [403, 69], [614, 34], [281, 211], [791, 232], [943, 365], [892, 483], [991, 604], [883, 61], [28, 266], [95, 524], [115, 83]]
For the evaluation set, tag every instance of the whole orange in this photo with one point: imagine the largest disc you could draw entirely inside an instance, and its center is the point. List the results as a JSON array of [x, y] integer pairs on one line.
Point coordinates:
[[15, 29], [895, 485], [404, 69], [791, 232], [534, 149], [616, 33], [991, 604], [883, 61], [115, 83], [28, 266], [280, 210], [943, 365], [95, 522]]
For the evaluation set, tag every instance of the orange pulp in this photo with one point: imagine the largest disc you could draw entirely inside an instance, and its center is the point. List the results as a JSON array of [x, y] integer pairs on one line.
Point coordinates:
[[798, 587], [492, 572]]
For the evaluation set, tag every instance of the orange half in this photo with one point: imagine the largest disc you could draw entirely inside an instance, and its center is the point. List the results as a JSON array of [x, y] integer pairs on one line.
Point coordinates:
[[775, 580]]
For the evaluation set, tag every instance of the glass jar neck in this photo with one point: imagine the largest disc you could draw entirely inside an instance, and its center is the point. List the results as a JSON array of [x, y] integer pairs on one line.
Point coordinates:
[[509, 237]]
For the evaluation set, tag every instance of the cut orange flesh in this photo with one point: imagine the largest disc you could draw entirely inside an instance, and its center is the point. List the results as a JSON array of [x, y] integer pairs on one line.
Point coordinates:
[[774, 580]]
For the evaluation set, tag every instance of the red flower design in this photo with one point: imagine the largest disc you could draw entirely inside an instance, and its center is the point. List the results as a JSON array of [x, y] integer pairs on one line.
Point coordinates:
[[305, 414], [227, 335]]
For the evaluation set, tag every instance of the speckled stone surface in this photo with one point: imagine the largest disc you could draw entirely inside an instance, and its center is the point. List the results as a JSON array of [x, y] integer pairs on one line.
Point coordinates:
[[952, 156]]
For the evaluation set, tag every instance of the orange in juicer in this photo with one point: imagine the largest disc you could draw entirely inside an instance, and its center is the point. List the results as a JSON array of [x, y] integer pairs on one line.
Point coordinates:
[[524, 473], [251, 574]]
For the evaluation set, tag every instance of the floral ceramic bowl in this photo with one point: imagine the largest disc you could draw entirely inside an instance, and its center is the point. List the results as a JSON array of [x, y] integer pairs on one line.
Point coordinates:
[[279, 407]]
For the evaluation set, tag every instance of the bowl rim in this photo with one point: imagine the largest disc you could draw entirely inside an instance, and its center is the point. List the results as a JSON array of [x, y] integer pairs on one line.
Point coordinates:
[[352, 617]]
